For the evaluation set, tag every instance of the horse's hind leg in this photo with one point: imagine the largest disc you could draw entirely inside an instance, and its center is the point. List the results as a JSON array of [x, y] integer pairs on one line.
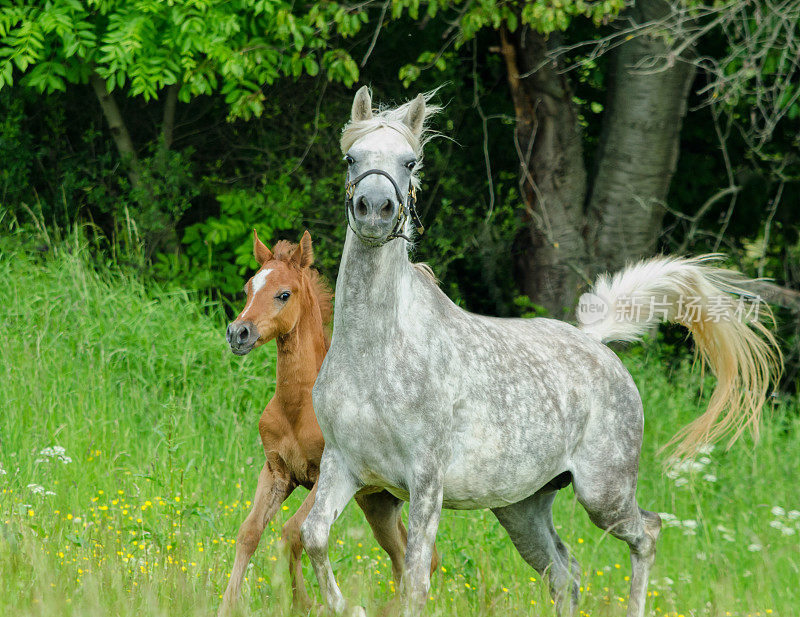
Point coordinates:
[[529, 524], [273, 488], [609, 497]]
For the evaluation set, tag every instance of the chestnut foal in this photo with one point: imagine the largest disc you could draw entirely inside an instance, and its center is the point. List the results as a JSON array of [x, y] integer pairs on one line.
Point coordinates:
[[287, 301]]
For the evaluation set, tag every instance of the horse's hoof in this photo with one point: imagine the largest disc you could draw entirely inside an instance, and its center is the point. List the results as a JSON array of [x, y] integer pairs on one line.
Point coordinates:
[[357, 611]]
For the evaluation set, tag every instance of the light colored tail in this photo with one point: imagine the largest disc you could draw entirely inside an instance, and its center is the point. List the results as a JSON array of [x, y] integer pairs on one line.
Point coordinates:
[[726, 321]]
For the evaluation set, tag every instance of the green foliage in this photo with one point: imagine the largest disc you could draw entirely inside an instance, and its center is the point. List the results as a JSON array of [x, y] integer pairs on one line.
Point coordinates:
[[15, 149], [219, 250], [545, 16], [166, 193], [205, 46]]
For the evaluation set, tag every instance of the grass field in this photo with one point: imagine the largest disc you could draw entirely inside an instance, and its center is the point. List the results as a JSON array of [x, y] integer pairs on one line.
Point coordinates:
[[129, 453]]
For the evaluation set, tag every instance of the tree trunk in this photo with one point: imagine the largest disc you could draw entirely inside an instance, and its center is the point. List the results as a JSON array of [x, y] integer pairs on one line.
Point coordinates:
[[639, 146], [553, 176], [168, 123], [573, 230], [156, 225], [119, 131]]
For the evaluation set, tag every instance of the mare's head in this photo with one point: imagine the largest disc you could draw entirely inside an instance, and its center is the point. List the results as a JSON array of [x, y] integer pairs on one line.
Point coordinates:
[[278, 295], [388, 144]]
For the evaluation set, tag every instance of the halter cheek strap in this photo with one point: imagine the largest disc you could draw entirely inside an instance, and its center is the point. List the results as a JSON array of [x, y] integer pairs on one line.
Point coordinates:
[[410, 200]]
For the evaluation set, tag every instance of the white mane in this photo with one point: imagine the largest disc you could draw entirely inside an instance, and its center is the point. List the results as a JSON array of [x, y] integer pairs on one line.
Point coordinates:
[[393, 118]]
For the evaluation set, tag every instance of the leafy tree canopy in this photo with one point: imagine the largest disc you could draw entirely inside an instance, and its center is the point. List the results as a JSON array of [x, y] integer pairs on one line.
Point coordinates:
[[204, 46]]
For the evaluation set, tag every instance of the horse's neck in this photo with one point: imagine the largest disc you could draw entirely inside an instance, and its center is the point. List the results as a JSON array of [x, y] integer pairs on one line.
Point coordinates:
[[300, 355], [370, 281]]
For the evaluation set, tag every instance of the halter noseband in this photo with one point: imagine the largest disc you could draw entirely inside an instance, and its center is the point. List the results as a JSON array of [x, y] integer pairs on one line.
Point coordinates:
[[397, 230]]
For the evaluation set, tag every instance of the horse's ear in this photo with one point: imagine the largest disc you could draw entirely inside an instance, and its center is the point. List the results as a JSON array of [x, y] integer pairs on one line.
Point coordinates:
[[362, 105], [415, 117], [260, 250], [303, 255]]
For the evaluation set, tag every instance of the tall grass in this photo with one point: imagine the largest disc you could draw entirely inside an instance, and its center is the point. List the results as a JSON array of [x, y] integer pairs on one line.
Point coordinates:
[[161, 453]]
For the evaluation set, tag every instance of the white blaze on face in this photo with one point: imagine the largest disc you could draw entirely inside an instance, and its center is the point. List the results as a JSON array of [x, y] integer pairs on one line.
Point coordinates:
[[258, 282]]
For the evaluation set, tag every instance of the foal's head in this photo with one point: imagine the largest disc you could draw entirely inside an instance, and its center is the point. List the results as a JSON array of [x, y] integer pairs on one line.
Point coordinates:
[[388, 141], [284, 288]]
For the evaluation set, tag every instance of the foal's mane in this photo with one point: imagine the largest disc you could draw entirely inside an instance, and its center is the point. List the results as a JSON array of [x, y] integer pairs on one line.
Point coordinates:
[[392, 117], [319, 287]]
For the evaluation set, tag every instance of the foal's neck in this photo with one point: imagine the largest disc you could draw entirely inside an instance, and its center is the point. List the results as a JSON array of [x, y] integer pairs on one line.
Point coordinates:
[[300, 355]]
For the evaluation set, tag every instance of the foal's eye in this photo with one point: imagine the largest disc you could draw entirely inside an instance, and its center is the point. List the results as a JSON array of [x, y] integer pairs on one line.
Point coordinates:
[[349, 159], [283, 297], [411, 165]]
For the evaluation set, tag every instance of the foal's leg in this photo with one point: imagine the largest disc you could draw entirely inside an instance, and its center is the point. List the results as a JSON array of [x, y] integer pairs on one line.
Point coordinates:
[[423, 523], [529, 524], [382, 511], [272, 490], [609, 497], [290, 538], [335, 487]]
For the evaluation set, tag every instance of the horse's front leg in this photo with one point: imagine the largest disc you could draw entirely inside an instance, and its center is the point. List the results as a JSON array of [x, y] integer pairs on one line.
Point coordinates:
[[425, 508], [335, 487]]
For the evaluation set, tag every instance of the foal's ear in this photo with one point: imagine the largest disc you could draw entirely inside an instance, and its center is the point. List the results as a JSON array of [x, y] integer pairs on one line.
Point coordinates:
[[415, 117], [362, 105], [260, 250], [303, 255]]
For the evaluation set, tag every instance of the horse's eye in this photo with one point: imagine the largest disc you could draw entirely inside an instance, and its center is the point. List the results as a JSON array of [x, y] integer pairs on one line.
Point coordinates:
[[349, 159], [284, 296], [410, 165]]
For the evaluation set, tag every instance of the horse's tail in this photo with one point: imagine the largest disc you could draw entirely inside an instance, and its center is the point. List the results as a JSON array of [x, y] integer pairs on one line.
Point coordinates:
[[727, 323]]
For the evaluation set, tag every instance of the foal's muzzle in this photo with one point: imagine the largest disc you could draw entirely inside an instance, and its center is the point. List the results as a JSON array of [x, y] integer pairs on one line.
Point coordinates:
[[242, 337]]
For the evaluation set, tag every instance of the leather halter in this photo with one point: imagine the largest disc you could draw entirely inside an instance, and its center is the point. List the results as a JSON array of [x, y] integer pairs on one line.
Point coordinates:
[[397, 230]]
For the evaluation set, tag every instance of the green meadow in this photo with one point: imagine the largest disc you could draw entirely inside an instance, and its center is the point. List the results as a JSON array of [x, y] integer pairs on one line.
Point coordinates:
[[129, 454]]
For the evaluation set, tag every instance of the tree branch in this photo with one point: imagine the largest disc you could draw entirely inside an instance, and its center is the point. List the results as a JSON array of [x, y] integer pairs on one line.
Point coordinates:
[[119, 131], [168, 122]]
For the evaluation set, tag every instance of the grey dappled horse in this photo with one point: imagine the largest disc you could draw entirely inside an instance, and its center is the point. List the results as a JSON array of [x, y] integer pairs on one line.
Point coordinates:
[[445, 408]]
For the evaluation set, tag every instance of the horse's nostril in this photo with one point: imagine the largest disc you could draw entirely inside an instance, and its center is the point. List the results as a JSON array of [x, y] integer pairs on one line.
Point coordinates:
[[361, 206], [386, 209], [244, 334]]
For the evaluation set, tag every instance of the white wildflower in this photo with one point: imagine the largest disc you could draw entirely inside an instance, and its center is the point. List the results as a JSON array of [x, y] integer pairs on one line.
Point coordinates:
[[53, 453], [728, 537], [787, 531], [681, 482], [793, 514], [754, 548], [2, 471], [778, 511], [776, 524], [690, 523], [710, 477]]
